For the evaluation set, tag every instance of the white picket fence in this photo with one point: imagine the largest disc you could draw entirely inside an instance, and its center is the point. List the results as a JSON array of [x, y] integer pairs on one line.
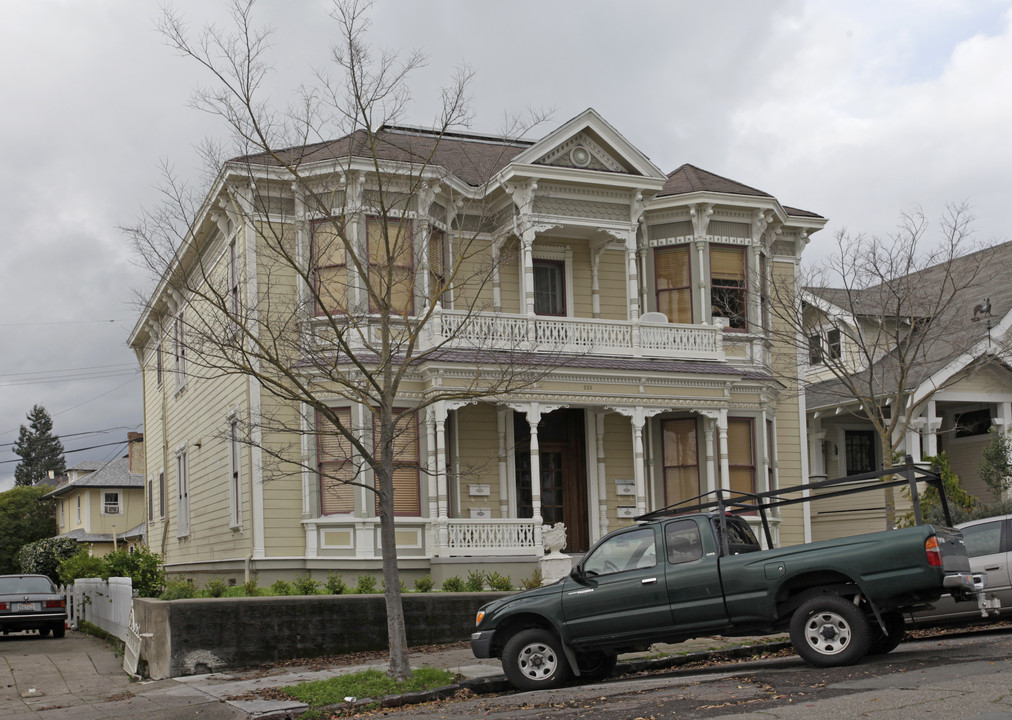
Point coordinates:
[[103, 603]]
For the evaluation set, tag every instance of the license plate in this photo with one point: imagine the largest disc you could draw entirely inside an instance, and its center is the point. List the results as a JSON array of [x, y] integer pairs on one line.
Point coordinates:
[[27, 607]]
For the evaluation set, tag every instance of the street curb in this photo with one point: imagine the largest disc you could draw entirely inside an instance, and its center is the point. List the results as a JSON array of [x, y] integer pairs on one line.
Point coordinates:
[[498, 684]]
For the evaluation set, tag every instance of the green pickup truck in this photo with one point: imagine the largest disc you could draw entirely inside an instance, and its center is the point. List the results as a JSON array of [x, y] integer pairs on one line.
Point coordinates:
[[678, 576]]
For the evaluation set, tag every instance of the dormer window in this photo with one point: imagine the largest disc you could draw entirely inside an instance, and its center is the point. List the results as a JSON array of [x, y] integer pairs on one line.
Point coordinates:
[[821, 349]]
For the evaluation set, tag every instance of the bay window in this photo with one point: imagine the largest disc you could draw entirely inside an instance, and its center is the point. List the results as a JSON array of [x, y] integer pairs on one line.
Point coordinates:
[[728, 286], [673, 282], [391, 265], [331, 267]]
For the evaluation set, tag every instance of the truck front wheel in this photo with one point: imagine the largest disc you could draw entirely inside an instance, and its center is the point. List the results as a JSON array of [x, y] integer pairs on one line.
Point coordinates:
[[534, 660], [829, 630]]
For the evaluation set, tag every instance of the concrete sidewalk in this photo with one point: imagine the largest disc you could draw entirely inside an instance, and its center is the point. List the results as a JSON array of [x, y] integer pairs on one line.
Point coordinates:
[[238, 689]]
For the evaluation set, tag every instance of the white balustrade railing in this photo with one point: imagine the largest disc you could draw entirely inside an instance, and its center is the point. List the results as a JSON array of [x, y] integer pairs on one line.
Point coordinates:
[[501, 331], [492, 537]]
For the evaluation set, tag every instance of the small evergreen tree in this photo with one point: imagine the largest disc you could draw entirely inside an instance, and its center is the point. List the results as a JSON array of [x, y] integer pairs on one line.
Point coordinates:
[[39, 449], [995, 467]]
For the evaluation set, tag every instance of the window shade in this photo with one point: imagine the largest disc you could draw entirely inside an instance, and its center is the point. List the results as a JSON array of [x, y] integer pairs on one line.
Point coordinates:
[[336, 466], [727, 264]]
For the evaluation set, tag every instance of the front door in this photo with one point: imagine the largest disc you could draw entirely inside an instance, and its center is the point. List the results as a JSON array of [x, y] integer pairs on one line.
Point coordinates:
[[563, 473]]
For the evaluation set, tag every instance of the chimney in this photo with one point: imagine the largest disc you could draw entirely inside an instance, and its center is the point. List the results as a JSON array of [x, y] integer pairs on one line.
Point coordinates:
[[136, 452]]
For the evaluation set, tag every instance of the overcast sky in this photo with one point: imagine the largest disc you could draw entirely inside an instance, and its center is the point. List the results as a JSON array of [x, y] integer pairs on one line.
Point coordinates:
[[855, 110]]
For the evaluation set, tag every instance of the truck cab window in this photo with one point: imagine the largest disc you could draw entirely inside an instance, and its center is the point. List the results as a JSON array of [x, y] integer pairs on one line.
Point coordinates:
[[682, 541], [628, 551]]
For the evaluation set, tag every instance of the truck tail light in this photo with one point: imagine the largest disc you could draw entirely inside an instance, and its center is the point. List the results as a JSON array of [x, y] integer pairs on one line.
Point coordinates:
[[933, 552], [5, 606], [54, 604]]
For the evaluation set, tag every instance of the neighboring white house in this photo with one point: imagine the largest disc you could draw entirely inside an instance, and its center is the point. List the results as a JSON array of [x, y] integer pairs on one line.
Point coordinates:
[[956, 391]]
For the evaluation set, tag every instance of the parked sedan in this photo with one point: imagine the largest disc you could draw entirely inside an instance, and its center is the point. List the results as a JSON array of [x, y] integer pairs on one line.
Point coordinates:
[[31, 602], [988, 543]]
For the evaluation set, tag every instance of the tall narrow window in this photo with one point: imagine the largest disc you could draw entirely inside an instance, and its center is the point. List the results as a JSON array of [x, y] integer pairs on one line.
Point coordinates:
[[79, 508], [182, 494], [330, 262], [741, 454], [336, 465], [770, 479], [158, 364], [234, 486], [834, 347], [681, 460], [764, 294], [161, 493], [815, 349], [179, 350], [437, 266], [549, 287], [673, 274], [233, 280], [407, 495], [391, 266], [728, 288], [151, 499]]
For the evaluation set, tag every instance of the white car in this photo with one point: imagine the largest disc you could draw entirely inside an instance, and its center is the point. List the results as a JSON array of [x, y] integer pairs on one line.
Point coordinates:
[[988, 542]]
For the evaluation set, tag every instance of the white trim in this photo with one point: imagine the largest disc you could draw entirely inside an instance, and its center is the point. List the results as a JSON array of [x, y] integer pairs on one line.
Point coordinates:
[[182, 492]]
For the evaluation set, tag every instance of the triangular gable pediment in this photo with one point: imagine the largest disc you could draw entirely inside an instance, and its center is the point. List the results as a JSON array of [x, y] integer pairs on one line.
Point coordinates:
[[588, 142]]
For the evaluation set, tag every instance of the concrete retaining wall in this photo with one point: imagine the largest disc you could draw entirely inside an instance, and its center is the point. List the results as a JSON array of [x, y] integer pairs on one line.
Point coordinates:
[[190, 637]]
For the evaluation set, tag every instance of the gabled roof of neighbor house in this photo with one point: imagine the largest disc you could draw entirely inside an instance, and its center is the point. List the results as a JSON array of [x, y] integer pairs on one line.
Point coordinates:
[[966, 341], [113, 474]]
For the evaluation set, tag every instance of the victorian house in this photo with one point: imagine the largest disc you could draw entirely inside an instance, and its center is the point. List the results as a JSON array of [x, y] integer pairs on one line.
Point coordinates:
[[638, 299]]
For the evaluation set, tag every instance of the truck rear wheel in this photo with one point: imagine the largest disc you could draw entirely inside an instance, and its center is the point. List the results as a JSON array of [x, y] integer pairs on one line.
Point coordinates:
[[596, 665], [829, 630], [896, 628], [534, 660]]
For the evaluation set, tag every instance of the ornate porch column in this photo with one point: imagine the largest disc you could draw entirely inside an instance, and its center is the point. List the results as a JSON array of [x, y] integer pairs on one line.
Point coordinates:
[[638, 417], [440, 412], [934, 423], [504, 502], [725, 463], [709, 423]]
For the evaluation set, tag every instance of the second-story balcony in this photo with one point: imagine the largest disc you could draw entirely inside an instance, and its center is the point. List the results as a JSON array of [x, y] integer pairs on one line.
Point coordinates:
[[636, 338]]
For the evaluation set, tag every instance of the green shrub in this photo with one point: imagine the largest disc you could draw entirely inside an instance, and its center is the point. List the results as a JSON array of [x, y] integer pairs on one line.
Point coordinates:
[[178, 589], [365, 585], [215, 588], [475, 581], [81, 565], [498, 582], [305, 585], [281, 587], [335, 584], [143, 567], [234, 591], [43, 557], [533, 581], [424, 584], [251, 588], [453, 584]]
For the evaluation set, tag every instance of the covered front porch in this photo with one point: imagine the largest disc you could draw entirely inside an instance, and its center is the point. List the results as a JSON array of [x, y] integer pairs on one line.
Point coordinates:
[[599, 466]]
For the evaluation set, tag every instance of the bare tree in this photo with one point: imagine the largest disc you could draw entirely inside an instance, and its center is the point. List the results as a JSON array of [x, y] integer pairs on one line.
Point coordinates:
[[353, 271], [883, 318]]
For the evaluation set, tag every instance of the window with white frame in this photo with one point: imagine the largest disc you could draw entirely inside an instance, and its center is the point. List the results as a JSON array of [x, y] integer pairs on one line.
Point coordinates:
[[161, 493], [182, 494], [234, 485], [549, 287], [179, 350], [78, 508], [233, 279], [824, 346], [110, 503], [728, 285]]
